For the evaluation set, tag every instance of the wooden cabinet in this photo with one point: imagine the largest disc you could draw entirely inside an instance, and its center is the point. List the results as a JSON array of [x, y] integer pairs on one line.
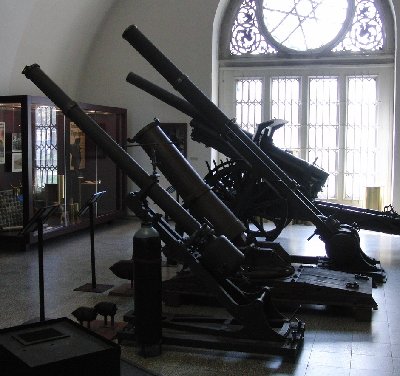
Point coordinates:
[[45, 159]]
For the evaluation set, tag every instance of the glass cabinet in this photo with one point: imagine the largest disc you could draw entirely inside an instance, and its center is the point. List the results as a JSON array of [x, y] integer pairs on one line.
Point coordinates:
[[45, 159]]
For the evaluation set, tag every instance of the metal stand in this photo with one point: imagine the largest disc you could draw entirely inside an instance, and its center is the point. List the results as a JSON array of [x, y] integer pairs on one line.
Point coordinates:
[[93, 286], [36, 223]]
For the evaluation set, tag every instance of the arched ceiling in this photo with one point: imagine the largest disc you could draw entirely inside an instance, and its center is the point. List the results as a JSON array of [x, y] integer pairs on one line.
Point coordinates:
[[56, 34]]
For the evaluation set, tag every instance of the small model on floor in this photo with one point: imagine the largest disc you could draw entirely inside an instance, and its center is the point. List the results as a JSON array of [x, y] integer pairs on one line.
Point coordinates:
[[85, 314], [106, 309], [101, 327]]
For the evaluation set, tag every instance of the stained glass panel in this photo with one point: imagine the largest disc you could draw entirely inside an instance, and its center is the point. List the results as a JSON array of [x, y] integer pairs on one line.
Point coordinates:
[[361, 136], [246, 36], [248, 103], [285, 104], [366, 33], [304, 25], [45, 161]]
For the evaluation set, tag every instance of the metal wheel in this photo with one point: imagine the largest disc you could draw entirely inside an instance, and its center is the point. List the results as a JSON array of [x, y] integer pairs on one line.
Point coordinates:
[[251, 199]]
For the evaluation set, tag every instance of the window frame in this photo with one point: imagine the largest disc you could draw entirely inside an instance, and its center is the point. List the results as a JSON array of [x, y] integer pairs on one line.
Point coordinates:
[[384, 74], [285, 56], [291, 63]]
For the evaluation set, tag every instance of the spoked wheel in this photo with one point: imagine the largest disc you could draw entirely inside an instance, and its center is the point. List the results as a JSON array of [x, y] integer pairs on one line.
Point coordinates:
[[250, 199]]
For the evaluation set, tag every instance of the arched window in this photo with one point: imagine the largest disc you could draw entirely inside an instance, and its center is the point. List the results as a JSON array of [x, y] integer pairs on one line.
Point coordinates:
[[325, 66]]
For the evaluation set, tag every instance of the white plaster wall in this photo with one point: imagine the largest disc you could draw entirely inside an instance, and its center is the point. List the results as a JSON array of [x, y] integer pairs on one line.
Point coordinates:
[[183, 31], [56, 34]]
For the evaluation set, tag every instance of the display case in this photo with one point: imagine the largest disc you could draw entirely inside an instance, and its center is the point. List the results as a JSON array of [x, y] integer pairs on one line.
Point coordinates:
[[45, 159]]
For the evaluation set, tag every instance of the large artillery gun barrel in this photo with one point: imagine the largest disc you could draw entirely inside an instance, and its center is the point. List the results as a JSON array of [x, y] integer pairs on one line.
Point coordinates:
[[342, 243], [202, 202], [219, 255], [387, 221], [307, 175], [310, 177], [212, 258], [216, 247], [163, 95], [239, 141], [197, 195], [200, 132]]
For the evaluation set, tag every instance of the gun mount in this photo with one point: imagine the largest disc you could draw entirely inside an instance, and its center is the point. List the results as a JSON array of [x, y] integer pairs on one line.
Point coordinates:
[[228, 178], [257, 325], [342, 243], [231, 181], [265, 263], [250, 198]]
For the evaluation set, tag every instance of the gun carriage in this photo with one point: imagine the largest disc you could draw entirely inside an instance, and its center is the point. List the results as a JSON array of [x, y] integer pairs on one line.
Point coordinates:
[[255, 324], [261, 180], [213, 241], [265, 263], [229, 179]]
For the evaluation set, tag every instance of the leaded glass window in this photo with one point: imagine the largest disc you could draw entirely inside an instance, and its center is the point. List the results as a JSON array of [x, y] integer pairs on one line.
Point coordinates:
[[267, 27], [45, 161], [297, 24], [246, 37], [323, 128], [324, 66], [361, 137], [249, 103], [285, 104], [366, 32]]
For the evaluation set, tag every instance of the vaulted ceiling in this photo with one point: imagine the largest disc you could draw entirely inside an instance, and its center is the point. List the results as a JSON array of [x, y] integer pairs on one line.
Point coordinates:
[[56, 34]]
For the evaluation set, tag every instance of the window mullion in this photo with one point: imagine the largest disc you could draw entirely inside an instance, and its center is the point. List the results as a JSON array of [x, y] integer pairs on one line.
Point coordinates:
[[304, 118], [342, 96], [266, 97]]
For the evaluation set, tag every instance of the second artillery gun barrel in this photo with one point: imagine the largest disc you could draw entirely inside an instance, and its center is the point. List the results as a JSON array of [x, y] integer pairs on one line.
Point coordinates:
[[198, 196]]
